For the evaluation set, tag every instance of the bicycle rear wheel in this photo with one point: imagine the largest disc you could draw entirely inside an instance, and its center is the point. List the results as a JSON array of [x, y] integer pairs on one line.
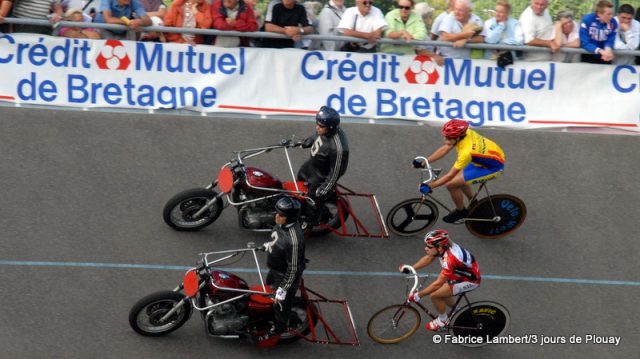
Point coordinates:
[[393, 324], [482, 320], [411, 217], [510, 209]]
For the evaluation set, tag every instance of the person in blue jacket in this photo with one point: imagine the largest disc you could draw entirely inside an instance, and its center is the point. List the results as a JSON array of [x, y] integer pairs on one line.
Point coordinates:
[[598, 32]]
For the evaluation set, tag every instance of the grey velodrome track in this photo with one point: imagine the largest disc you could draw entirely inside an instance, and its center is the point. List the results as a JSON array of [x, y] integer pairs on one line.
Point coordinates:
[[81, 187]]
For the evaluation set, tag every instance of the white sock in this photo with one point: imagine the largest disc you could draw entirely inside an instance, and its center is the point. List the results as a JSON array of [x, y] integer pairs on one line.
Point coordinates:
[[443, 317]]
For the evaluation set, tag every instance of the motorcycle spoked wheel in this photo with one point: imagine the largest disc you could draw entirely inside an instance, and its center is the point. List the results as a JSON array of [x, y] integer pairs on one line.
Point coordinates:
[[299, 314], [330, 217], [144, 316], [179, 210]]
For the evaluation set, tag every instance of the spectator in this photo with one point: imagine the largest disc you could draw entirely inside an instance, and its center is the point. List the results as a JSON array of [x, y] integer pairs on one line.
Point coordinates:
[[288, 18], [426, 14], [156, 10], [598, 34], [233, 15], [328, 24], [537, 27], [120, 12], [32, 9], [256, 12], [435, 29], [364, 21], [502, 29], [77, 32], [5, 11], [403, 24], [628, 36], [189, 14], [75, 4], [460, 27], [566, 33], [313, 9]]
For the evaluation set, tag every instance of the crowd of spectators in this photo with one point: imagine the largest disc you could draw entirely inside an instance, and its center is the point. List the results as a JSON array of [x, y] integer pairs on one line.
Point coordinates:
[[598, 33]]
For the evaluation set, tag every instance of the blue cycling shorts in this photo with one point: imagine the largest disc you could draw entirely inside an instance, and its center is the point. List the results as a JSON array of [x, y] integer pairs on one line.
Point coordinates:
[[474, 174]]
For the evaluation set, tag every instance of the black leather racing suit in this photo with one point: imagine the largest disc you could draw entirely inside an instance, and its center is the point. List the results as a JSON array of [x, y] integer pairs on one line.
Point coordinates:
[[328, 162], [286, 263]]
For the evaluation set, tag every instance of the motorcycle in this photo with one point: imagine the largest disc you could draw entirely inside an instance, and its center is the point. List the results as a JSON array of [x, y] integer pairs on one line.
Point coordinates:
[[230, 308], [254, 193]]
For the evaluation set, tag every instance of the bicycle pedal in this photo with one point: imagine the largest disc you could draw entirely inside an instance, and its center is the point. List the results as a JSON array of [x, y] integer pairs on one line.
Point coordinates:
[[460, 221]]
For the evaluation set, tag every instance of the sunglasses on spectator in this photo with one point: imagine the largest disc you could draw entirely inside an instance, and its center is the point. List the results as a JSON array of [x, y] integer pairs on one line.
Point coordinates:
[[404, 7], [367, 3]]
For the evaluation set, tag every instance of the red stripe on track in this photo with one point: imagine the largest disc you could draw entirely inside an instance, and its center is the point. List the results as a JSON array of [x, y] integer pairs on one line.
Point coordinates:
[[586, 123], [310, 112]]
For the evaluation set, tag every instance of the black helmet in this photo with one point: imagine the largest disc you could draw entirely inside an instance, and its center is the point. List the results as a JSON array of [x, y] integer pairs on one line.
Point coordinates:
[[288, 207], [328, 117]]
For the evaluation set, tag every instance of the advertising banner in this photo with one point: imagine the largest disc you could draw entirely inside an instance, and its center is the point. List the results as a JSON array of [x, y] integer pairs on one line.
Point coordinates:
[[47, 70]]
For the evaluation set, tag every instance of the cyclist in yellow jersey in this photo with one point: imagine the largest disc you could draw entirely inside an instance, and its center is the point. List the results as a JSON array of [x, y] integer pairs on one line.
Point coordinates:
[[479, 159]]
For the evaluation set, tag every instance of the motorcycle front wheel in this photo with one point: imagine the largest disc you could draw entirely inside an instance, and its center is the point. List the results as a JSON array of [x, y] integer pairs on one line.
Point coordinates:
[[145, 315], [179, 211]]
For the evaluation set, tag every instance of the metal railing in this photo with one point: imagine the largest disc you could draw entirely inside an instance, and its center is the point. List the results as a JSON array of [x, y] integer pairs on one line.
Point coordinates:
[[270, 35]]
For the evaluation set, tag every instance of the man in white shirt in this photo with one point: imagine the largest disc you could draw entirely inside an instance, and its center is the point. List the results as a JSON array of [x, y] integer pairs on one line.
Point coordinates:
[[461, 27], [628, 36], [538, 29], [364, 21], [435, 28]]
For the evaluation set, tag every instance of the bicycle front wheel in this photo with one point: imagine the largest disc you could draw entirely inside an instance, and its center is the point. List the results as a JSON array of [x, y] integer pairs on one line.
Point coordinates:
[[509, 210], [480, 322], [393, 324], [411, 217]]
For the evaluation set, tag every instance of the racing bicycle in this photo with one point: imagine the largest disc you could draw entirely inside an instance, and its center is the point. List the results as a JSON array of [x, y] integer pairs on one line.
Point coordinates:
[[475, 324], [493, 216]]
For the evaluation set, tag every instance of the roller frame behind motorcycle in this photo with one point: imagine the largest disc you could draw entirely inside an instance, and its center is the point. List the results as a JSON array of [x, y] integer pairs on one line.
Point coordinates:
[[230, 308], [253, 192]]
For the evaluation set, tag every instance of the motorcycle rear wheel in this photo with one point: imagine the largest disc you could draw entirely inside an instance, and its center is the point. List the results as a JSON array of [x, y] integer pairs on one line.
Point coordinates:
[[333, 219], [179, 210], [299, 309], [145, 315]]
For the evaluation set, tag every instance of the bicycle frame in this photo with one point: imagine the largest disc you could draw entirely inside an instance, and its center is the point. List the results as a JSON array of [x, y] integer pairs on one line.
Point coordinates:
[[434, 173], [452, 311]]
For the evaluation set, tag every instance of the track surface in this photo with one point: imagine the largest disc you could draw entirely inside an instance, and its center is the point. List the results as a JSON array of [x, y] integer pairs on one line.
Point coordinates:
[[82, 235]]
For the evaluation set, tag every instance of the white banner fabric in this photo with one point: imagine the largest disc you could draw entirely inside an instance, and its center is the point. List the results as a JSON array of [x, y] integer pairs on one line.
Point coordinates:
[[121, 74]]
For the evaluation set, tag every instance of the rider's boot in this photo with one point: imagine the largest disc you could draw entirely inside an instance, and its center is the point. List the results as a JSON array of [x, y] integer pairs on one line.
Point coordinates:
[[456, 215], [436, 325]]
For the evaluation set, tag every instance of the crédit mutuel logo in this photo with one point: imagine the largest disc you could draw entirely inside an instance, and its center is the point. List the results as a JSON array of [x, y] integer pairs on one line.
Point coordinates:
[[113, 56], [423, 70]]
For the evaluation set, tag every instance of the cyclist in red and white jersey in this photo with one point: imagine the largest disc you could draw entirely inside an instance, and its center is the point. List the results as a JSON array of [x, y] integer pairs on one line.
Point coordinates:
[[460, 273]]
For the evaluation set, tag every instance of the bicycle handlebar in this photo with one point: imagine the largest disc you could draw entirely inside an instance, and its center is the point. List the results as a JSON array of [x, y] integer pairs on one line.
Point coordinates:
[[433, 172], [414, 274]]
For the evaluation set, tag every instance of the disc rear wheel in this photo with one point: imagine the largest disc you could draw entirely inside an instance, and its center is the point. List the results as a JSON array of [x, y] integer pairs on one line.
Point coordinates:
[[509, 210], [481, 321]]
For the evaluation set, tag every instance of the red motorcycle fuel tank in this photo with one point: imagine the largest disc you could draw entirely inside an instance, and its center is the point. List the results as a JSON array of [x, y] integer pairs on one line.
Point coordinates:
[[259, 178], [224, 279]]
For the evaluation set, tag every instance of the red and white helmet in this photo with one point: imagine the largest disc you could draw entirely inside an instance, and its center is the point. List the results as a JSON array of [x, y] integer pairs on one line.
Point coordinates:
[[437, 238], [455, 128]]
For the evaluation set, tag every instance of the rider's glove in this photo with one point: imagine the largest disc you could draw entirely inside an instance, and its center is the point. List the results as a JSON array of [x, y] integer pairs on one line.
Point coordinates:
[[266, 246], [417, 163], [404, 270], [415, 297], [280, 294], [308, 142], [424, 188]]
